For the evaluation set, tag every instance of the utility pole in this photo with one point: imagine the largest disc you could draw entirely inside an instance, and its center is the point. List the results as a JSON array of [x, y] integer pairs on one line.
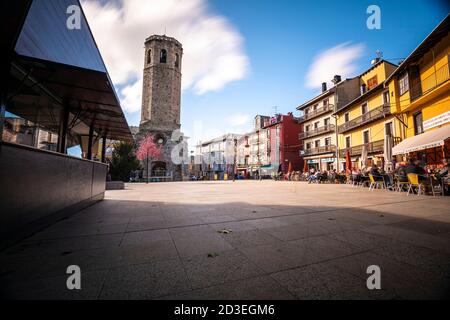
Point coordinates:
[[235, 159]]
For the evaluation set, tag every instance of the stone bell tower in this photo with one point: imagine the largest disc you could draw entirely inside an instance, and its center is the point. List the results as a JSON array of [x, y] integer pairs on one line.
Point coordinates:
[[161, 95]]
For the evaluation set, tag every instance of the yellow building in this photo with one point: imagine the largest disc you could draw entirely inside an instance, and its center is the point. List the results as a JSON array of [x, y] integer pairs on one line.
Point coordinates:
[[365, 122], [420, 96]]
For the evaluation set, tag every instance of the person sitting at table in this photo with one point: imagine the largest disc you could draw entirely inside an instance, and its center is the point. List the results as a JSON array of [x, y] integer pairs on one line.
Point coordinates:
[[444, 175], [375, 171], [414, 167], [377, 175], [444, 170], [313, 177]]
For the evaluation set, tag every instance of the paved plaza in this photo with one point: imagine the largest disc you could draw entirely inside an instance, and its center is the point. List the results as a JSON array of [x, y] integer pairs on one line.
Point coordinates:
[[241, 240]]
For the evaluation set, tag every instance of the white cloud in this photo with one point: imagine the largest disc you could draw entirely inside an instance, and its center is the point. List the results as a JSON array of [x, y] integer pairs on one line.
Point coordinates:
[[238, 119], [131, 94], [213, 53], [336, 60]]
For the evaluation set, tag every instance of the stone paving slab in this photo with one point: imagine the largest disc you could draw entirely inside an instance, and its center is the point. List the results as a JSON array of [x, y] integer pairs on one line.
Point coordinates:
[[286, 240]]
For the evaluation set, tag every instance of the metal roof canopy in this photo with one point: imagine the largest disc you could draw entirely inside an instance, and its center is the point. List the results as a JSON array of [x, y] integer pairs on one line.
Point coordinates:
[[55, 66]]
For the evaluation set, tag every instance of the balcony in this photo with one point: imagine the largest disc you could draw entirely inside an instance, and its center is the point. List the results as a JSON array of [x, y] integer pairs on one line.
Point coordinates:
[[316, 132], [319, 150], [429, 83], [315, 113], [372, 115], [372, 147]]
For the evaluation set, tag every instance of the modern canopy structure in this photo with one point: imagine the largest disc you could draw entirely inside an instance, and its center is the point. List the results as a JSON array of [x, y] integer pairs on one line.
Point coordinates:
[[54, 78]]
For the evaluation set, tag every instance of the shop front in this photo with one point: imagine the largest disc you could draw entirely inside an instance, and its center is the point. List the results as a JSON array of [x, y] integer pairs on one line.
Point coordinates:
[[313, 164], [328, 164], [430, 147]]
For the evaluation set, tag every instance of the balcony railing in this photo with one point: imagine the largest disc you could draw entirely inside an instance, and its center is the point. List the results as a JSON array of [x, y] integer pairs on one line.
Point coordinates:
[[319, 150], [429, 83], [315, 113], [317, 131], [372, 115], [372, 147]]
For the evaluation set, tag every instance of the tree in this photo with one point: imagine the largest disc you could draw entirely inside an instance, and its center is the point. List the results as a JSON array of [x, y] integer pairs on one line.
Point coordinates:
[[123, 161], [148, 149]]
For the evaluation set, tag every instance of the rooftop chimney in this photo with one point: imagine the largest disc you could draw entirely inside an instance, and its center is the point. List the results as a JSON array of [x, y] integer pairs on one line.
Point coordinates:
[[336, 79], [324, 86]]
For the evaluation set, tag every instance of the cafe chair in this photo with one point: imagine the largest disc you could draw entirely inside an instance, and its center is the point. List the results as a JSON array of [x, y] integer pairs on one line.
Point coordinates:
[[415, 184], [376, 183], [400, 185]]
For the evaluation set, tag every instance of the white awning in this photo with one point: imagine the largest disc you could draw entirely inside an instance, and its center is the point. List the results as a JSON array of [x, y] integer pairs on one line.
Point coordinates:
[[430, 139]]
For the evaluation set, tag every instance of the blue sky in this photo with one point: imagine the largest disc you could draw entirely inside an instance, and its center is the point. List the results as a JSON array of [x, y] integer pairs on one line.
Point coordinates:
[[270, 46]]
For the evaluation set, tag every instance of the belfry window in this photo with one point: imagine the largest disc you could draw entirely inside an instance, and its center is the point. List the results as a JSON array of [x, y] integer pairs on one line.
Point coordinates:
[[163, 56], [177, 60], [149, 56]]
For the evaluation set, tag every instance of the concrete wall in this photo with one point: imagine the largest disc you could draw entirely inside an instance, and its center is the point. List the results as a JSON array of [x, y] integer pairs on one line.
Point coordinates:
[[37, 187]]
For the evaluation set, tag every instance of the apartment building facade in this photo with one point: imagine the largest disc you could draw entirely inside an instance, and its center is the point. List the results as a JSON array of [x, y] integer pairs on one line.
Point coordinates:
[[215, 157], [366, 122], [253, 148], [284, 145], [319, 125], [420, 96]]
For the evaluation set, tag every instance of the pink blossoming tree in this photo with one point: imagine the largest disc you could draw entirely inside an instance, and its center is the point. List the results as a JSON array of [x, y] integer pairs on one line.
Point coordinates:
[[148, 149]]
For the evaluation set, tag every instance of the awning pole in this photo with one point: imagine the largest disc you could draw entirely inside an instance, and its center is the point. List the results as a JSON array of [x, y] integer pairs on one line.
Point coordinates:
[[62, 137], [103, 149], [91, 138]]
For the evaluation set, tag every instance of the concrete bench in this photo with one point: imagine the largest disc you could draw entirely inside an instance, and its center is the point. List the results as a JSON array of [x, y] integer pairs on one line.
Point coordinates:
[[115, 185]]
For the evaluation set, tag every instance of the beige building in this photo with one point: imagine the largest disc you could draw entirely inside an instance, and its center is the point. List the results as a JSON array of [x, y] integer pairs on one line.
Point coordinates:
[[319, 125], [216, 156], [253, 150]]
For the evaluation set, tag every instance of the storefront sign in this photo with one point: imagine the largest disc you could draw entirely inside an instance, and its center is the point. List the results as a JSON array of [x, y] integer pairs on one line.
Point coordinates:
[[328, 160], [436, 121], [312, 161]]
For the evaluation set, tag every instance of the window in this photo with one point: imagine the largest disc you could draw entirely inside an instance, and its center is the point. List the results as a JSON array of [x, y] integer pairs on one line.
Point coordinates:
[[388, 129], [163, 56], [418, 123], [315, 107], [366, 139], [328, 141], [372, 83], [403, 83], [364, 108], [149, 56], [386, 97], [326, 122], [307, 128], [308, 145], [317, 143], [316, 125], [325, 102], [177, 60], [347, 117], [347, 142]]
